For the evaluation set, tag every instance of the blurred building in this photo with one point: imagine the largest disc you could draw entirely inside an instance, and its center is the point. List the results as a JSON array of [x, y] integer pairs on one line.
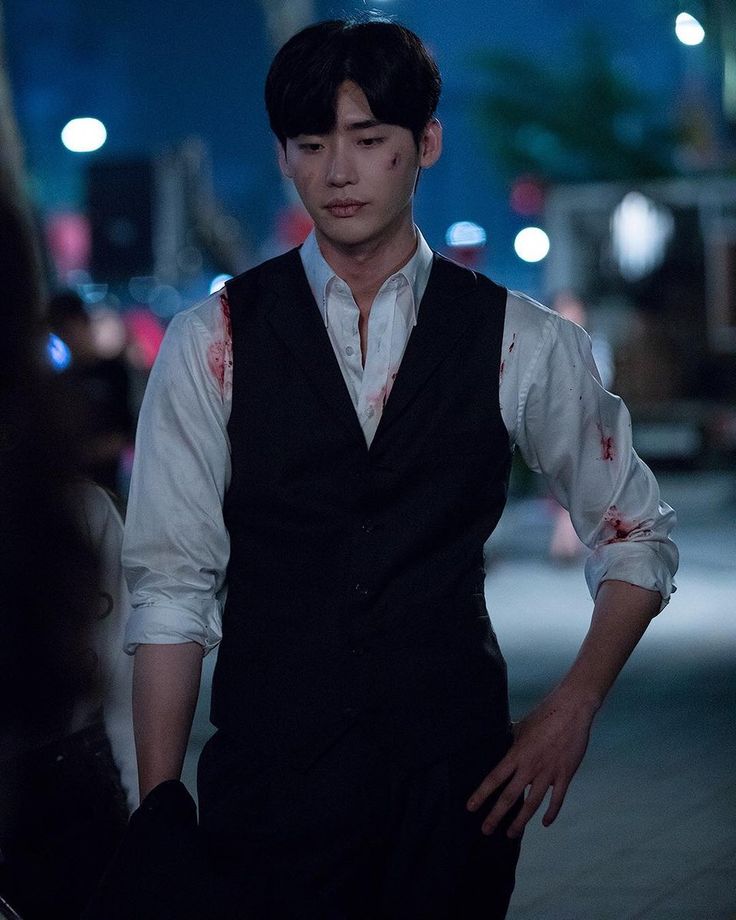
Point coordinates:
[[656, 262]]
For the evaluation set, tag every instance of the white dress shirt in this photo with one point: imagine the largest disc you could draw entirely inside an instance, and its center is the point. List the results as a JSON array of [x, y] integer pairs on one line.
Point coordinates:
[[567, 427]]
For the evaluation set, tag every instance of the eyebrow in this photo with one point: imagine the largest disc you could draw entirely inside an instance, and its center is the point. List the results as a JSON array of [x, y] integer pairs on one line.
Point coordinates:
[[362, 125], [354, 126]]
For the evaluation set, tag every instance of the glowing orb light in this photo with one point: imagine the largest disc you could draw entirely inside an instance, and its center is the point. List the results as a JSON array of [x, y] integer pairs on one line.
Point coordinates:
[[83, 135], [531, 244]]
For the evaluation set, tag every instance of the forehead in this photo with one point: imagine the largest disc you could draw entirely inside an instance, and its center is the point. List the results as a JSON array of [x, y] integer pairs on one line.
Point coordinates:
[[352, 109]]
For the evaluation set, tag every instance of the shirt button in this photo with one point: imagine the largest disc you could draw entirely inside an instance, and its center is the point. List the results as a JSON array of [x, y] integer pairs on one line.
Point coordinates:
[[349, 350], [371, 412]]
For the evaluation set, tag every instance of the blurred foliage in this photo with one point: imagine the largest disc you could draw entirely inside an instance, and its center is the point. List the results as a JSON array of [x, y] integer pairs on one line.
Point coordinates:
[[587, 122]]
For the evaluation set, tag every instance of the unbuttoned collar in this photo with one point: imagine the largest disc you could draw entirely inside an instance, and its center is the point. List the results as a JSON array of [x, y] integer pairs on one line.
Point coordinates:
[[320, 275]]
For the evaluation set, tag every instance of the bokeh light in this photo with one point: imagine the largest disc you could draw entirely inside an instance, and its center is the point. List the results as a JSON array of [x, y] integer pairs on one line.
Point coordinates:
[[531, 244], [218, 282], [58, 353], [640, 232], [465, 233], [688, 29], [83, 135]]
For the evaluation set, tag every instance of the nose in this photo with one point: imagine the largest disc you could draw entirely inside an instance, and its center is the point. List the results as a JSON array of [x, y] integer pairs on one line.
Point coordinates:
[[340, 167]]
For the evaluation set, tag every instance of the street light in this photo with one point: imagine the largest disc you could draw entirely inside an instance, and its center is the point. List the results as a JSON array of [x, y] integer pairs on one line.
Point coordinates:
[[688, 29], [83, 135], [531, 244]]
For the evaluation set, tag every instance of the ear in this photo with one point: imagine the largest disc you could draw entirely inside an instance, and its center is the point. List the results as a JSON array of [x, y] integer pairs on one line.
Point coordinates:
[[284, 166], [430, 144]]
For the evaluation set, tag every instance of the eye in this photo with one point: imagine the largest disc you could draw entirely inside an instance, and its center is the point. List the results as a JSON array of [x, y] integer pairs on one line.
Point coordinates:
[[371, 141], [309, 147]]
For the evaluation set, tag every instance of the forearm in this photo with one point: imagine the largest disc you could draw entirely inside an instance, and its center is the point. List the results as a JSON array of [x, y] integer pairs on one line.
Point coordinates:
[[621, 615], [165, 690]]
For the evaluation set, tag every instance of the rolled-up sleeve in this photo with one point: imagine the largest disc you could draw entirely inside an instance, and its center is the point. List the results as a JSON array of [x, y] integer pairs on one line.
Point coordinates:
[[176, 547], [578, 436]]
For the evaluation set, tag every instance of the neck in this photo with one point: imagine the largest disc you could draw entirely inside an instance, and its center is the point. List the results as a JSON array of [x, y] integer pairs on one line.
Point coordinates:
[[365, 266]]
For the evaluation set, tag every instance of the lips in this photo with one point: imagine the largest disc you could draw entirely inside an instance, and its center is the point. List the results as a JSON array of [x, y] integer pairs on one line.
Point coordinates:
[[344, 207]]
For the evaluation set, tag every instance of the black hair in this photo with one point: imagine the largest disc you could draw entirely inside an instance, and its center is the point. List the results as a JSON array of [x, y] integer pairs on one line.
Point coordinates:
[[386, 60]]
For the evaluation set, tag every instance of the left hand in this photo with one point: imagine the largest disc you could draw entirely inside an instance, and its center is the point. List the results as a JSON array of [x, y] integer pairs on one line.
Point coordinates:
[[548, 747]]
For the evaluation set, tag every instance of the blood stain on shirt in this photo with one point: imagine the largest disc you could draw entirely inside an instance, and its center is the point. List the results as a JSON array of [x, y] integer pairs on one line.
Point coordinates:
[[220, 352], [501, 370], [217, 358], [513, 342], [607, 445], [226, 320], [622, 528]]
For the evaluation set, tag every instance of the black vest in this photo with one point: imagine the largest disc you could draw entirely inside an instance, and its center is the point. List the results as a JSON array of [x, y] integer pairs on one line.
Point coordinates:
[[356, 575]]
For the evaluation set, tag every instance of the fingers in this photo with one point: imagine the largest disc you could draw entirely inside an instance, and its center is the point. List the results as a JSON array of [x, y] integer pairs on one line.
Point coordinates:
[[534, 799], [559, 791], [506, 801], [496, 778]]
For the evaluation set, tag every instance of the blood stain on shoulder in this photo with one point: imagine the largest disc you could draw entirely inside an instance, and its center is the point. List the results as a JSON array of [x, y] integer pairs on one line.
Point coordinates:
[[217, 358], [226, 319], [220, 352]]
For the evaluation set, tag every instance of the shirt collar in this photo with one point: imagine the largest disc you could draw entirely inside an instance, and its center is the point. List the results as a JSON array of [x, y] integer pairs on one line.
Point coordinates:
[[320, 274]]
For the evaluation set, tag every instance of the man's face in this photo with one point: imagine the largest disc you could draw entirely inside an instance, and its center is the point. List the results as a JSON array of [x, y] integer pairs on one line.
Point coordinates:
[[357, 182]]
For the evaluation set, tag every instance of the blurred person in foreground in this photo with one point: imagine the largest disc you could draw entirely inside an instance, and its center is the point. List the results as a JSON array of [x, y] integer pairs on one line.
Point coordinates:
[[101, 387], [328, 442], [63, 809]]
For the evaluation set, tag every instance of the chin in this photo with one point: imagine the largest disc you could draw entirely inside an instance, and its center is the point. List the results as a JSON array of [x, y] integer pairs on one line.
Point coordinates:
[[348, 235]]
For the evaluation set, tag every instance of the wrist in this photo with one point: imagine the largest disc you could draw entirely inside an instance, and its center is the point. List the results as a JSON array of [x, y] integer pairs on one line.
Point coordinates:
[[578, 697]]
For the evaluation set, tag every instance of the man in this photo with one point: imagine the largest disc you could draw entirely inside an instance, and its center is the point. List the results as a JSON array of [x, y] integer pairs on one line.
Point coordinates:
[[330, 442]]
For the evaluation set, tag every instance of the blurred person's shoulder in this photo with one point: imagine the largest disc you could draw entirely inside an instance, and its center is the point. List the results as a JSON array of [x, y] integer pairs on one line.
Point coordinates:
[[99, 512]]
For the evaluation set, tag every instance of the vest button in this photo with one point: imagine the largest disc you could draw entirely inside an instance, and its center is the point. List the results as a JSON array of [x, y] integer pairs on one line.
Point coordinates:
[[361, 590], [368, 526], [357, 651]]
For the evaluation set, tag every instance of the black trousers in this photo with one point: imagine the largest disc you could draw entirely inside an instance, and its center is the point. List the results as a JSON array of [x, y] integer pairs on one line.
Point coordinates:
[[354, 837]]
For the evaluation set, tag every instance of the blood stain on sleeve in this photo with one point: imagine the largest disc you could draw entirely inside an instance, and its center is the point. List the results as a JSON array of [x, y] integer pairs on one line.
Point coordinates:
[[622, 529], [501, 370], [607, 445], [513, 342]]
